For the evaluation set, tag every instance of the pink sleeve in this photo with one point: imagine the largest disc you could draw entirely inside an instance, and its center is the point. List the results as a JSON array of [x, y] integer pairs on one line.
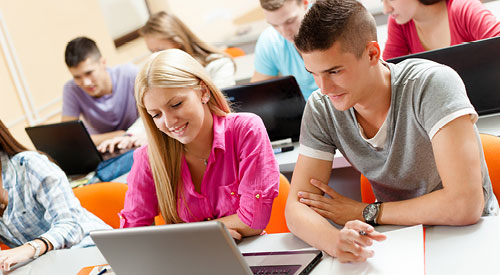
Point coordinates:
[[473, 20], [397, 44], [141, 203], [258, 171]]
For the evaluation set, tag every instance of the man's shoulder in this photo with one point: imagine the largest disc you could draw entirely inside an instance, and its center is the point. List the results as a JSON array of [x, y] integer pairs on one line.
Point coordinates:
[[127, 69], [418, 69], [270, 38]]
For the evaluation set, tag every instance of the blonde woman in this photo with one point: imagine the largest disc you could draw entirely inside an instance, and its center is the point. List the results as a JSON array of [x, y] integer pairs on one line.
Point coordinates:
[[164, 31], [202, 162]]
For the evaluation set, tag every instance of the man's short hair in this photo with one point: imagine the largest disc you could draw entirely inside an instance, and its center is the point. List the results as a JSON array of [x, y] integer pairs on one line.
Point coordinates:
[[330, 21], [272, 5], [79, 49]]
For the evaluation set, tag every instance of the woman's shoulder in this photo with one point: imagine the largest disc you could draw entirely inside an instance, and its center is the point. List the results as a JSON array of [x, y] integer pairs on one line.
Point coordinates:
[[246, 121], [29, 157]]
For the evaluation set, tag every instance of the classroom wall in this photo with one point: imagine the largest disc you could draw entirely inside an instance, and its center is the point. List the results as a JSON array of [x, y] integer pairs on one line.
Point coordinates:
[[39, 31]]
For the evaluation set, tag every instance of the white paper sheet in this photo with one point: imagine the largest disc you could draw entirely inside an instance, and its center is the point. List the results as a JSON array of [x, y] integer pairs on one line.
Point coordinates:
[[401, 253]]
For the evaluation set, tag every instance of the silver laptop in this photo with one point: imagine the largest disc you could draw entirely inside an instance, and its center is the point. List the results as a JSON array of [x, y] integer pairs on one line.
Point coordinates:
[[192, 248]]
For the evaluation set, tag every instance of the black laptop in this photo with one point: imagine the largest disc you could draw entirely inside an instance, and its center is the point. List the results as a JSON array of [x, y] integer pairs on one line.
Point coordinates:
[[279, 102], [70, 145], [478, 64]]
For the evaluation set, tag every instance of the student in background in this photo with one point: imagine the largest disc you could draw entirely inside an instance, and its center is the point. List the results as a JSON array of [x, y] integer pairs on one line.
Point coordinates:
[[408, 127], [202, 162], [38, 209], [165, 31], [421, 25], [275, 52], [103, 96]]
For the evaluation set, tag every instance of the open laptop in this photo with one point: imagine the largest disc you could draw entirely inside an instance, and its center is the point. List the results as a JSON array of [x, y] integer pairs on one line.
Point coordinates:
[[279, 102], [70, 145], [193, 248], [478, 64]]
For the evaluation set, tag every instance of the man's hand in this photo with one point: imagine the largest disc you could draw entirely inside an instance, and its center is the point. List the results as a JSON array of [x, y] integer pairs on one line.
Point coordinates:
[[338, 208], [351, 246]]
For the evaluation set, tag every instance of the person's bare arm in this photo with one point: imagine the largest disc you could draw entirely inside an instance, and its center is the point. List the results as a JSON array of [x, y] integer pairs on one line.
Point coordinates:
[[461, 201], [346, 244], [68, 118], [233, 222], [260, 77]]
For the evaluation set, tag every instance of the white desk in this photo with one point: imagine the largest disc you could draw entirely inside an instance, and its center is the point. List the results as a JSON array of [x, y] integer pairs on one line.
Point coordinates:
[[448, 250]]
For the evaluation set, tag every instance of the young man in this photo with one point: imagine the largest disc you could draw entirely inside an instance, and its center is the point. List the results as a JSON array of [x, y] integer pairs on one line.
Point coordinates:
[[103, 96], [275, 52], [409, 128]]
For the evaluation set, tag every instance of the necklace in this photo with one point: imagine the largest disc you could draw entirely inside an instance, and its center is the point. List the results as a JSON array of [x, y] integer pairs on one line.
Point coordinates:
[[205, 160]]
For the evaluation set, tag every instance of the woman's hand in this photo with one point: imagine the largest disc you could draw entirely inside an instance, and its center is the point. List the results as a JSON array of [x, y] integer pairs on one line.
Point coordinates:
[[15, 255], [351, 246]]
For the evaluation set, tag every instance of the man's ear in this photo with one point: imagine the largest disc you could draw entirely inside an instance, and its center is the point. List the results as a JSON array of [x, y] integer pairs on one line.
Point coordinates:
[[374, 53], [102, 60]]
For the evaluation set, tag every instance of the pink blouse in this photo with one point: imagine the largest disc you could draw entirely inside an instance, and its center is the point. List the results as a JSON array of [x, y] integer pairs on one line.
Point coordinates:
[[469, 21], [242, 177]]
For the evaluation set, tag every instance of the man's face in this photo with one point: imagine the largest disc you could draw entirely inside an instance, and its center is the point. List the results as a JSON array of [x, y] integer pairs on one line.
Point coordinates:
[[340, 75], [286, 20], [92, 77]]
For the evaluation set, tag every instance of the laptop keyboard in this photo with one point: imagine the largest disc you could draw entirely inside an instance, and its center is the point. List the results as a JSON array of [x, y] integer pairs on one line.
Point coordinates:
[[274, 269]]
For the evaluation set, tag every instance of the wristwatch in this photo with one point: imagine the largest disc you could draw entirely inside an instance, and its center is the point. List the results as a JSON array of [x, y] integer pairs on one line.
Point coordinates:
[[371, 212], [37, 248]]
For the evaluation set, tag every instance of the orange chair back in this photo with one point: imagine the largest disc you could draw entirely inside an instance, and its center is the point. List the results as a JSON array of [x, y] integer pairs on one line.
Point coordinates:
[[367, 195], [277, 222], [491, 148], [234, 51], [104, 199]]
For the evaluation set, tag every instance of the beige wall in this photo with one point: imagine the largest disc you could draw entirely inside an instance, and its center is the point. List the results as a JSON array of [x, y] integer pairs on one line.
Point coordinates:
[[39, 31]]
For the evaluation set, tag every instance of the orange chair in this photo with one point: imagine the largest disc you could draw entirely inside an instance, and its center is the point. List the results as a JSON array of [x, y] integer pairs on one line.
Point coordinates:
[[234, 51], [491, 148], [104, 199], [277, 222], [367, 195]]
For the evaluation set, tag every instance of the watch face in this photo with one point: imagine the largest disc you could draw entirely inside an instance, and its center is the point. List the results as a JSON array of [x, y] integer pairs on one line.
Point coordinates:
[[370, 212]]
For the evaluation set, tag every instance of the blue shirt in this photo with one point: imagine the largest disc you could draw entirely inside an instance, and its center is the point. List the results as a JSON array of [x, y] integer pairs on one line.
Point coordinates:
[[274, 55], [42, 204]]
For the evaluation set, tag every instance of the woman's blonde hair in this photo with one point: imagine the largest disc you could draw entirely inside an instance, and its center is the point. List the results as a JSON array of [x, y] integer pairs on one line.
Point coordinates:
[[171, 69], [168, 26]]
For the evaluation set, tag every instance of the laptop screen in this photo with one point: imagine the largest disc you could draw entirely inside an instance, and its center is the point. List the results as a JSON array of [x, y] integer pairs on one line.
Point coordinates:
[[478, 64], [69, 144], [278, 102]]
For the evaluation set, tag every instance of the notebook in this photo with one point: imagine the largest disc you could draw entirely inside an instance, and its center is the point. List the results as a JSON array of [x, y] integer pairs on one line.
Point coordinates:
[[70, 145], [279, 102], [478, 64], [192, 248]]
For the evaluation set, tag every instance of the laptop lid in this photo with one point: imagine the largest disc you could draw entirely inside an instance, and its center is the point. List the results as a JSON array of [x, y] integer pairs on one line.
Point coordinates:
[[279, 102], [190, 248], [478, 64], [69, 144]]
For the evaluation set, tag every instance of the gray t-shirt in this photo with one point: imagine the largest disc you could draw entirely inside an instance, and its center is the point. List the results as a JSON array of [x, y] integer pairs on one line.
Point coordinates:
[[425, 97]]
